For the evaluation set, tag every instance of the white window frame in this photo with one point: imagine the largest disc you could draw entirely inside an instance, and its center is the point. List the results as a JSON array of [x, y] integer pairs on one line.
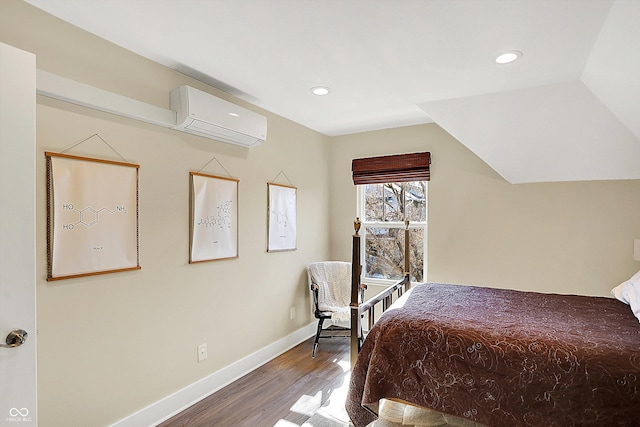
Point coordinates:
[[360, 213]]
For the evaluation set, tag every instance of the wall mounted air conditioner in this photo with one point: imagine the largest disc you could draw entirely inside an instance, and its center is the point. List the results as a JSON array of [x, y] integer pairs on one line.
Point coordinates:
[[203, 114]]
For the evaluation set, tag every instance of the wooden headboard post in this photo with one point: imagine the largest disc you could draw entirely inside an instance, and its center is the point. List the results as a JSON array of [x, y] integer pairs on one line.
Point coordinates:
[[407, 257], [358, 305], [356, 268]]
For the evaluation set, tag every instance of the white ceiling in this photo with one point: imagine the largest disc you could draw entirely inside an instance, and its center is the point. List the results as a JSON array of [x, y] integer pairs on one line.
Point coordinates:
[[567, 110]]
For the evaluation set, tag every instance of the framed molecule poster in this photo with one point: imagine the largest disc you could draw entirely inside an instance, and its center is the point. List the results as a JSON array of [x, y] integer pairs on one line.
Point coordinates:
[[214, 218], [92, 216], [281, 217]]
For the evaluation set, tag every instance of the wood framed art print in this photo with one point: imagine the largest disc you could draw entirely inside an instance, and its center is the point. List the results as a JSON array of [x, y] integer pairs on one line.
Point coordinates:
[[282, 221], [214, 218], [92, 216]]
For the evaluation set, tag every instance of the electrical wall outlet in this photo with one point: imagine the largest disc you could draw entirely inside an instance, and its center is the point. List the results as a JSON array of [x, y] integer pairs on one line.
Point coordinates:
[[292, 313], [202, 352]]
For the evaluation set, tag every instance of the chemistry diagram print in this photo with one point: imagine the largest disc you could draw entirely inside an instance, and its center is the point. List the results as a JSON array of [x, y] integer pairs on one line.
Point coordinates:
[[92, 225], [214, 218], [281, 216]]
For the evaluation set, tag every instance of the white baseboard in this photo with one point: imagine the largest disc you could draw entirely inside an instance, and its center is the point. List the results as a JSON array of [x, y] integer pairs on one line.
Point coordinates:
[[171, 405]]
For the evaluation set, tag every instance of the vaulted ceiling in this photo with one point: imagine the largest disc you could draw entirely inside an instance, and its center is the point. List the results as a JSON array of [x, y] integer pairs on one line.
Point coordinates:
[[567, 110]]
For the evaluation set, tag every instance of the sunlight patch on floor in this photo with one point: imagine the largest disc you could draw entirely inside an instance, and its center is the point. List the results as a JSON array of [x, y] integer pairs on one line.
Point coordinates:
[[345, 365], [307, 405], [321, 419], [285, 423], [331, 414]]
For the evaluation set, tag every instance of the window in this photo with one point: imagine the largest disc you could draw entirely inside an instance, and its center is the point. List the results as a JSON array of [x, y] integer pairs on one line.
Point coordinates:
[[392, 189], [383, 209]]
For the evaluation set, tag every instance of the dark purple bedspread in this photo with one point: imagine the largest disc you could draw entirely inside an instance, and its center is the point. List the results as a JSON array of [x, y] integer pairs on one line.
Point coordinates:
[[503, 358]]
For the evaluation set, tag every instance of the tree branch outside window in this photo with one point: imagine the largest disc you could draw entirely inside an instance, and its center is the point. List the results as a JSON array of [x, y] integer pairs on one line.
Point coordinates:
[[385, 208]]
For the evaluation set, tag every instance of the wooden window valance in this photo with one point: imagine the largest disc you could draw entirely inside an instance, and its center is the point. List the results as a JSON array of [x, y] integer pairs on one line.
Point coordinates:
[[394, 168]]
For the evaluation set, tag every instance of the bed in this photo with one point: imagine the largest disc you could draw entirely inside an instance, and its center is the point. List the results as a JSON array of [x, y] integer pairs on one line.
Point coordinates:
[[497, 357]]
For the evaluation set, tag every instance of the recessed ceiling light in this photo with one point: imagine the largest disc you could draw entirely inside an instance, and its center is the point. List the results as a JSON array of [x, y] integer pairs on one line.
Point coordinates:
[[234, 114], [508, 56], [320, 90]]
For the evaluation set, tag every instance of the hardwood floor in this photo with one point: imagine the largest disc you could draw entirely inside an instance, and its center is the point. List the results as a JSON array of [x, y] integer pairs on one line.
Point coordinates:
[[283, 392]]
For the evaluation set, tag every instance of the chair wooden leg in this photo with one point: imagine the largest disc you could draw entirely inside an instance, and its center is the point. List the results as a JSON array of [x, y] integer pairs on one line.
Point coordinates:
[[315, 343]]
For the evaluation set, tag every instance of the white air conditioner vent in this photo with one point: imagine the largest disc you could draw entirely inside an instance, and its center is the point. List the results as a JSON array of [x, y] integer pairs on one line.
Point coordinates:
[[203, 114]]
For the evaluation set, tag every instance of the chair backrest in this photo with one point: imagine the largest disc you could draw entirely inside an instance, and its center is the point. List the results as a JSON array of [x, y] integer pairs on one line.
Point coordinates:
[[331, 283]]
